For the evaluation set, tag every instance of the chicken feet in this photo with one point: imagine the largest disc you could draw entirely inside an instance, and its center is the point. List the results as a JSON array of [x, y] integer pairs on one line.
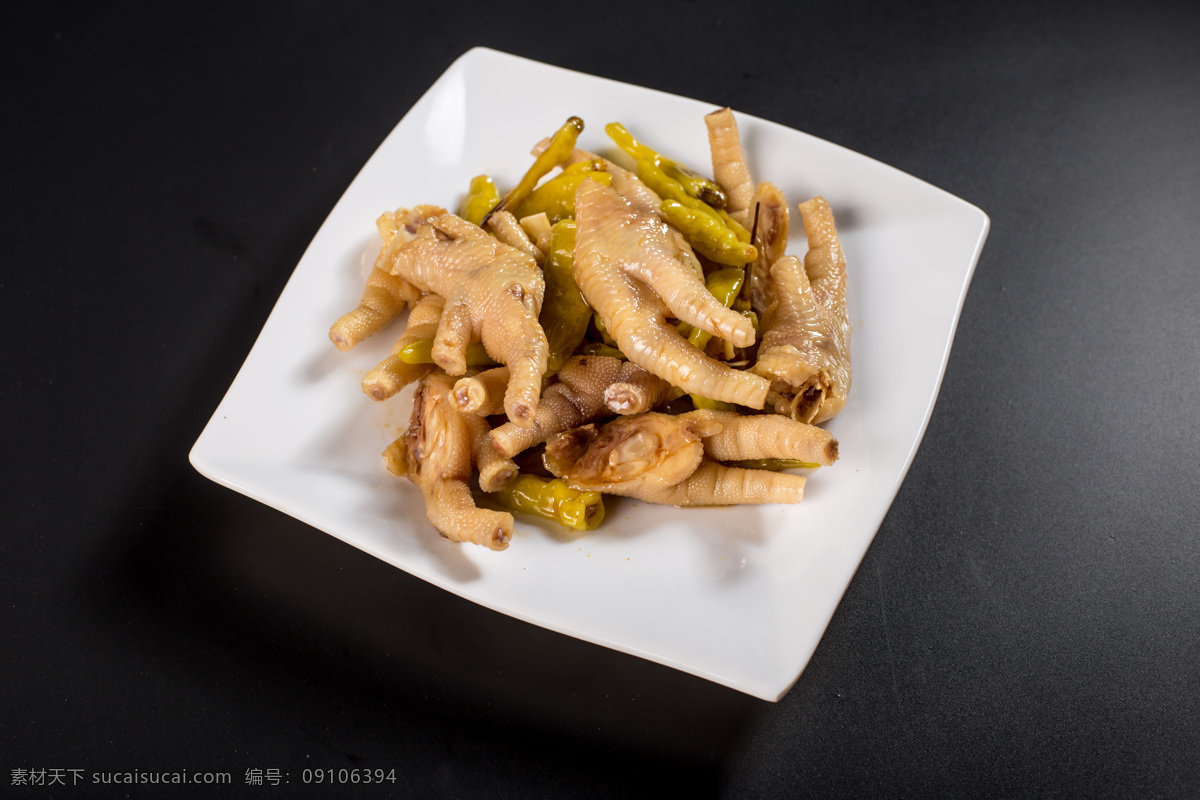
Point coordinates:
[[493, 294], [805, 349], [628, 268]]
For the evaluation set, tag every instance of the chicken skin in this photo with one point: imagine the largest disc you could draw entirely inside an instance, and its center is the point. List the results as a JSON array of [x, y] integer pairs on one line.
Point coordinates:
[[805, 349], [493, 294], [628, 269], [587, 388], [438, 452], [661, 459]]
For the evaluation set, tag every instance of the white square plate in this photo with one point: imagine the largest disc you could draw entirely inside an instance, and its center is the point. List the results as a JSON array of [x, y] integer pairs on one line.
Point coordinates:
[[737, 595]]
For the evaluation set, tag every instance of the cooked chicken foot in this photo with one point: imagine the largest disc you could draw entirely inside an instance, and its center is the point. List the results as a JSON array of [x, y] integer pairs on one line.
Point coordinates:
[[636, 390], [385, 295], [576, 398], [393, 374], [482, 394], [493, 294], [627, 268], [729, 164], [805, 348], [437, 454], [508, 230], [746, 438], [770, 222], [661, 459]]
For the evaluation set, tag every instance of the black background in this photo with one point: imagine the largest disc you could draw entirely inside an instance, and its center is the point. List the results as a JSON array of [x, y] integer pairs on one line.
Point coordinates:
[[1025, 623]]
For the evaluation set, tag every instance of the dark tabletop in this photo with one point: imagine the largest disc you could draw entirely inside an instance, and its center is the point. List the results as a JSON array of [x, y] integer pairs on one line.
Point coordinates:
[[1026, 622]]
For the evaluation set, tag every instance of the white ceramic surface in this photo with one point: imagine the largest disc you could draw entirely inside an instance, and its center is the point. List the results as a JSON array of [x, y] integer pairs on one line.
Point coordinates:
[[740, 595]]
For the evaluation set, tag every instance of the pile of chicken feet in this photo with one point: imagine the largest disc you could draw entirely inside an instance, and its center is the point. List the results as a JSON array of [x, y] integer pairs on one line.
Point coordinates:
[[570, 313]]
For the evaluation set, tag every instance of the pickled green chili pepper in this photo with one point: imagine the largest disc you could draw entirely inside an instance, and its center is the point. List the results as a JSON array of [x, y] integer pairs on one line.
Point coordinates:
[[774, 464], [741, 233], [421, 352], [724, 284], [705, 224], [599, 323], [556, 197], [557, 152], [601, 349], [708, 234], [481, 199], [714, 233], [711, 405], [565, 314], [553, 500], [693, 184]]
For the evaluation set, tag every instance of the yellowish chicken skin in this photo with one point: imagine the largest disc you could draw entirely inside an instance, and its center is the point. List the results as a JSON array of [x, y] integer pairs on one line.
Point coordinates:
[[729, 164], [805, 349], [493, 294], [385, 295], [437, 454], [661, 459], [741, 437], [627, 268], [393, 374]]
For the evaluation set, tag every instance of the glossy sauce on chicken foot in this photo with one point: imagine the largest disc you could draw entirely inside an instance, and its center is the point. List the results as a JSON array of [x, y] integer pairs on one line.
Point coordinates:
[[621, 266], [493, 294]]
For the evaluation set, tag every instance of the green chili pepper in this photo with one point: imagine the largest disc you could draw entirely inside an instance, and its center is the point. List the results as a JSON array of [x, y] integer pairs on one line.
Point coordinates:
[[774, 464], [602, 330], [693, 184], [714, 233], [712, 405], [557, 152], [706, 232], [421, 352], [741, 233], [724, 284], [556, 197], [705, 224], [481, 199], [565, 314], [601, 349], [553, 500]]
